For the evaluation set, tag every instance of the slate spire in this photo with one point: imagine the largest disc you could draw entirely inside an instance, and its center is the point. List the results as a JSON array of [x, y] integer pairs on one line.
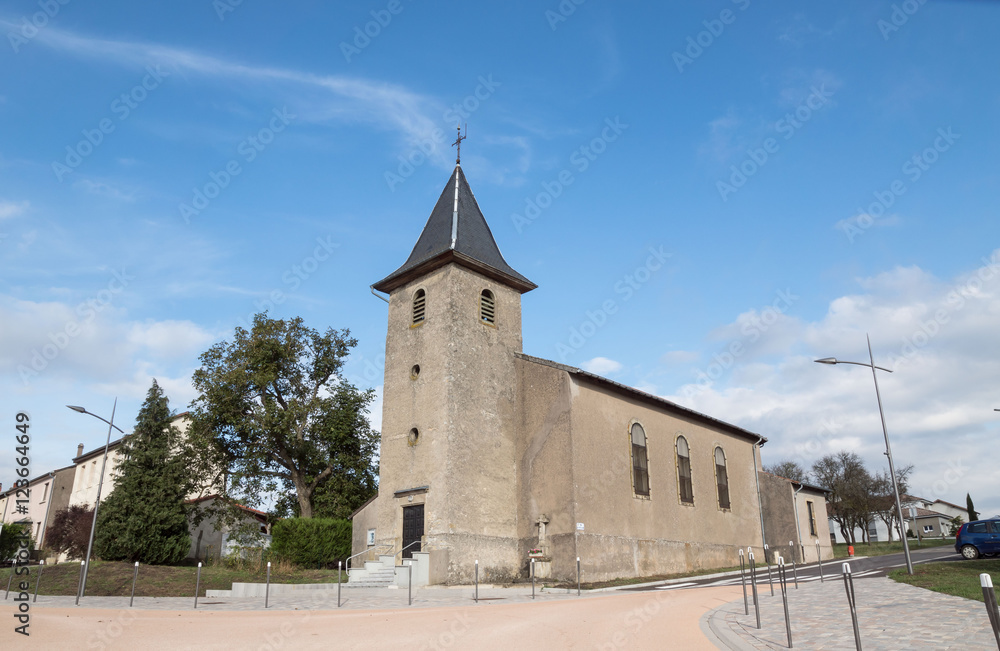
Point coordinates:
[[456, 232]]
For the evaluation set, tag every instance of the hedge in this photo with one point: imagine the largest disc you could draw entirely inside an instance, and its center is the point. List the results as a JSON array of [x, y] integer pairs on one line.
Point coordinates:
[[312, 541]]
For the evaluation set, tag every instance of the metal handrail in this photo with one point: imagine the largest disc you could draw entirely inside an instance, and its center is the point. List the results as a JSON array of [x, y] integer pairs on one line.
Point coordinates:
[[347, 563], [415, 542]]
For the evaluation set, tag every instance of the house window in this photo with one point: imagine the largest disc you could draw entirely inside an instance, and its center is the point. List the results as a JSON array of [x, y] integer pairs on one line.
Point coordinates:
[[371, 537], [419, 306], [721, 478], [684, 471], [928, 528], [640, 462], [487, 307], [812, 518], [45, 491]]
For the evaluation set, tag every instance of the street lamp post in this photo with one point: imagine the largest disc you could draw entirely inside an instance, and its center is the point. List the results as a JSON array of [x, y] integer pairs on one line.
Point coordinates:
[[100, 483], [888, 449]]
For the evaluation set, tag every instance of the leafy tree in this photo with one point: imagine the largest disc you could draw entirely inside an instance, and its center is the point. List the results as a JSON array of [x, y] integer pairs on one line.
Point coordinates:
[[10, 539], [274, 408], [789, 470], [144, 518], [70, 531], [973, 513], [955, 524]]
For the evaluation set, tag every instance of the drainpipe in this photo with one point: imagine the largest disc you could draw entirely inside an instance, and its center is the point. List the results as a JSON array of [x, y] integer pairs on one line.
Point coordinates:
[[798, 529], [377, 296], [760, 506]]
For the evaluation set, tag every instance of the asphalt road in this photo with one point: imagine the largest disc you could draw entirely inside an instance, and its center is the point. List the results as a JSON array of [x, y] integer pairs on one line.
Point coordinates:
[[860, 567]]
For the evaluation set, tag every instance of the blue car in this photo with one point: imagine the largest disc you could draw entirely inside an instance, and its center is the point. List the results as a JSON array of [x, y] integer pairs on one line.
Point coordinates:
[[978, 538]]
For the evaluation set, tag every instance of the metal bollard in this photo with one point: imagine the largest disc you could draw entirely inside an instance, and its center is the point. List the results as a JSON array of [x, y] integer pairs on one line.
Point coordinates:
[[783, 580], [577, 576], [41, 564], [339, 580], [83, 566], [477, 581], [849, 587], [819, 559], [990, 597], [743, 580], [532, 578], [267, 586], [197, 586], [753, 583], [135, 575], [409, 584], [768, 562]]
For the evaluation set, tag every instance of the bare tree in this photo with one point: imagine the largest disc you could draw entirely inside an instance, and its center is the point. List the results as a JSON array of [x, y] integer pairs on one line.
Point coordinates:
[[885, 498], [789, 470], [852, 502]]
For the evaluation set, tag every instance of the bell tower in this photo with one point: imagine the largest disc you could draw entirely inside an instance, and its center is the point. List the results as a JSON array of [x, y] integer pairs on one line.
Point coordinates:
[[447, 468]]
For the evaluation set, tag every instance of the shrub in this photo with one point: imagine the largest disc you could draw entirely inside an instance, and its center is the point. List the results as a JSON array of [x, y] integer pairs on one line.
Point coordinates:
[[312, 541]]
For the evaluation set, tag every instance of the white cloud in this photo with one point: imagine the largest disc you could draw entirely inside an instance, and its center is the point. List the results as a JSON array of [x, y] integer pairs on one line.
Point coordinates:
[[940, 340], [60, 341], [342, 98], [10, 209], [601, 366]]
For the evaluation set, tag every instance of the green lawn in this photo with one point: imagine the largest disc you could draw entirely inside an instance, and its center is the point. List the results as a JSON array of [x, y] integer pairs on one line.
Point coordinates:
[[107, 579], [883, 548], [959, 578]]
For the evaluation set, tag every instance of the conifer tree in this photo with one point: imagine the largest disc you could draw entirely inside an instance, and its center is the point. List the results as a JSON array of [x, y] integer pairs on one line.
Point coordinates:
[[973, 513], [144, 518]]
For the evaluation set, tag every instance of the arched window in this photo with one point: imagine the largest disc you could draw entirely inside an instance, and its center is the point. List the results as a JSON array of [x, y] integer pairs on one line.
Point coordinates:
[[419, 306], [487, 307], [640, 463], [684, 471], [721, 478]]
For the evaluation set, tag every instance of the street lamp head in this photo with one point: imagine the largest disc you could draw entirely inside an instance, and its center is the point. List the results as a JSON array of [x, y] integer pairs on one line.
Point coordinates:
[[826, 360], [79, 409]]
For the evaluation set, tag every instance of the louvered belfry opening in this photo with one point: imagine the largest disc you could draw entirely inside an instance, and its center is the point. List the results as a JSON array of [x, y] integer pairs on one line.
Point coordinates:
[[487, 307], [419, 306]]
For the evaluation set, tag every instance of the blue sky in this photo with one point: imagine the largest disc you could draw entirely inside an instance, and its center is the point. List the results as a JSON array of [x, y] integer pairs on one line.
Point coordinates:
[[709, 197]]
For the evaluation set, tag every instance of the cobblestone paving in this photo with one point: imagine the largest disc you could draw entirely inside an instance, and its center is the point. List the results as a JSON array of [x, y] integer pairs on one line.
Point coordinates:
[[891, 616], [355, 598]]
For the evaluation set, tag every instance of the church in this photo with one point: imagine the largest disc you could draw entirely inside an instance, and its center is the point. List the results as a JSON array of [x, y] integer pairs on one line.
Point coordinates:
[[489, 454]]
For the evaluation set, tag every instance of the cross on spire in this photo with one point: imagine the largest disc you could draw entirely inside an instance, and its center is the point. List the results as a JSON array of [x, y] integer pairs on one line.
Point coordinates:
[[458, 144]]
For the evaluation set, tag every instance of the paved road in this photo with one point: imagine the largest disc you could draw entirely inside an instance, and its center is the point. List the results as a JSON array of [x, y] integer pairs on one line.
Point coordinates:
[[873, 566]]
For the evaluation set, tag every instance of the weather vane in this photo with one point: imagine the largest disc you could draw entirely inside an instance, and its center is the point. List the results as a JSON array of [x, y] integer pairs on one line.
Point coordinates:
[[458, 143]]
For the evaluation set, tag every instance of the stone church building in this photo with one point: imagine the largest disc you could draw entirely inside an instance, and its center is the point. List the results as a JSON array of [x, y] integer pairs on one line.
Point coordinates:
[[490, 454]]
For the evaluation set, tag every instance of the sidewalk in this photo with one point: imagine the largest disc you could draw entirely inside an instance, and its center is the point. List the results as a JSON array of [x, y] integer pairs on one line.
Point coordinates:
[[891, 616]]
